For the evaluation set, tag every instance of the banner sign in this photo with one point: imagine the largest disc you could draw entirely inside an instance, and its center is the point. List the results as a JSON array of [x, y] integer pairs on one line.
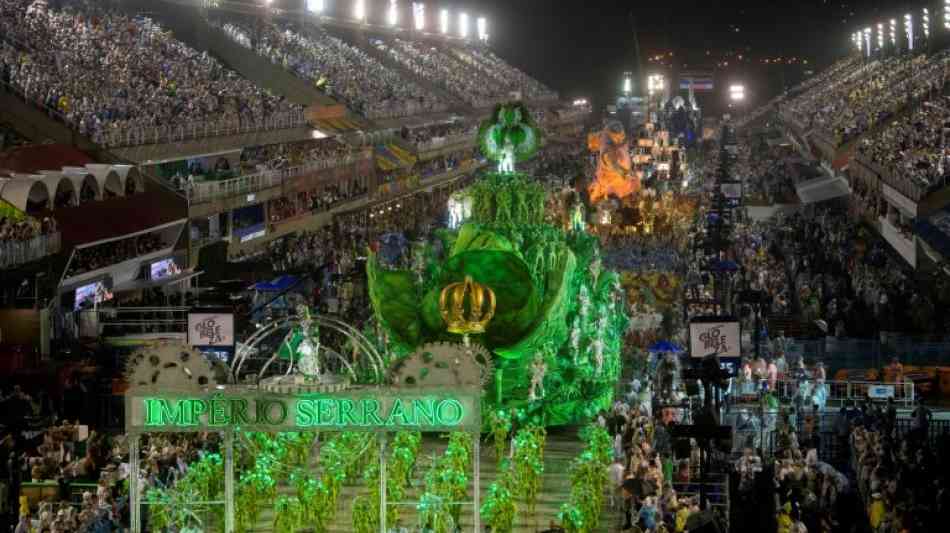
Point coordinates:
[[210, 329], [719, 337], [880, 392], [252, 410]]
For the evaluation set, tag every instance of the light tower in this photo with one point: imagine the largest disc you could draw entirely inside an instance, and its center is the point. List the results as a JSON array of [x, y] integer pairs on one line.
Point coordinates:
[[909, 30]]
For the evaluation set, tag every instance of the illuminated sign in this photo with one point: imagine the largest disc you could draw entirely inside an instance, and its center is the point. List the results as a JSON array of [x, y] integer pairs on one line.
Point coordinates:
[[362, 410]]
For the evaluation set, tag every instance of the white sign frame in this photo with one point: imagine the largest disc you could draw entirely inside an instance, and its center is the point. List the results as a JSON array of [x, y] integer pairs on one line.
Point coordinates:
[[211, 329], [726, 342]]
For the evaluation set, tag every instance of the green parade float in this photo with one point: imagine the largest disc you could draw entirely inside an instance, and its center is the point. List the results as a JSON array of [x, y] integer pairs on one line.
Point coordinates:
[[505, 322], [547, 322]]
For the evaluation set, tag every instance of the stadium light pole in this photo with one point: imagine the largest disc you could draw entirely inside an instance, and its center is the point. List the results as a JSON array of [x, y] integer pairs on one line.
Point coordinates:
[[419, 16], [444, 21], [482, 25], [867, 41], [736, 96], [893, 33], [392, 16], [315, 7], [880, 37], [359, 11], [463, 25], [909, 31]]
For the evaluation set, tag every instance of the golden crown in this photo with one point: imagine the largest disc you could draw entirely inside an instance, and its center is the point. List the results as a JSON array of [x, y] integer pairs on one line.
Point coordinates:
[[467, 307]]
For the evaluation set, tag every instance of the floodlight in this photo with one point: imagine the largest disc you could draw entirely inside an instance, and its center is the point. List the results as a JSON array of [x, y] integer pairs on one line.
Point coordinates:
[[909, 30], [880, 36], [627, 85], [893, 28], [392, 16], [737, 92], [463, 25], [359, 10], [482, 25], [867, 41], [419, 15], [444, 21], [315, 6]]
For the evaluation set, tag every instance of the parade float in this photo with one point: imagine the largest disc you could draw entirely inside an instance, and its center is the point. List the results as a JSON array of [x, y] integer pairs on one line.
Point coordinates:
[[527, 302]]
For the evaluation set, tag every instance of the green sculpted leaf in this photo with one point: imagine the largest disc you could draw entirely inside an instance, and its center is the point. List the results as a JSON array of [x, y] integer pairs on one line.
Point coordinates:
[[394, 299]]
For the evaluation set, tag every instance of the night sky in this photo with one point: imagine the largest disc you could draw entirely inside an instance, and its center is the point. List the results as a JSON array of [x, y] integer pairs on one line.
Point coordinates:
[[582, 47]]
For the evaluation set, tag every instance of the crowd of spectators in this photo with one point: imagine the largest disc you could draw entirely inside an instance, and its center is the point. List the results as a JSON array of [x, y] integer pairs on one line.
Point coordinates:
[[513, 80], [446, 71], [114, 252], [118, 79], [91, 470], [18, 239], [902, 478], [791, 487], [430, 133], [25, 229], [650, 485], [341, 70], [832, 270], [288, 155], [869, 94], [316, 200], [913, 148]]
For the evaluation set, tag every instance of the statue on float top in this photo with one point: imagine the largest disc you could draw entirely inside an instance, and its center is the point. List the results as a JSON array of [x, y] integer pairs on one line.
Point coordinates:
[[615, 175], [509, 136]]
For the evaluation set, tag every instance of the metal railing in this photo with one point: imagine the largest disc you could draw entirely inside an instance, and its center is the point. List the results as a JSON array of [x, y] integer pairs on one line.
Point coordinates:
[[842, 391], [123, 136], [15, 253], [125, 321], [442, 142], [894, 177], [202, 192]]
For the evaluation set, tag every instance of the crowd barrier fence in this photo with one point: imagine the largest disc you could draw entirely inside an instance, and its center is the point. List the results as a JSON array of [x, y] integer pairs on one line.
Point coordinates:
[[212, 190], [15, 253]]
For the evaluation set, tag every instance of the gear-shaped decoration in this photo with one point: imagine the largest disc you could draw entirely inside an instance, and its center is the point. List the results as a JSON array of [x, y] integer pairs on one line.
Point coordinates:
[[171, 366], [443, 365]]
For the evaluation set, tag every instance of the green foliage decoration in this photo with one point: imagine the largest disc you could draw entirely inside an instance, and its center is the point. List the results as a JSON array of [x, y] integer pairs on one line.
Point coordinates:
[[528, 464], [589, 480], [499, 510], [499, 423], [446, 485], [401, 460]]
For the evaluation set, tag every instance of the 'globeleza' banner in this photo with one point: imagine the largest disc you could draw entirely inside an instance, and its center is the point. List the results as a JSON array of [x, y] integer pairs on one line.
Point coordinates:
[[359, 410]]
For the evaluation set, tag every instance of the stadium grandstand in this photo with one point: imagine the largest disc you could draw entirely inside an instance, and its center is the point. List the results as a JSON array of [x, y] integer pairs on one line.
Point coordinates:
[[243, 130]]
